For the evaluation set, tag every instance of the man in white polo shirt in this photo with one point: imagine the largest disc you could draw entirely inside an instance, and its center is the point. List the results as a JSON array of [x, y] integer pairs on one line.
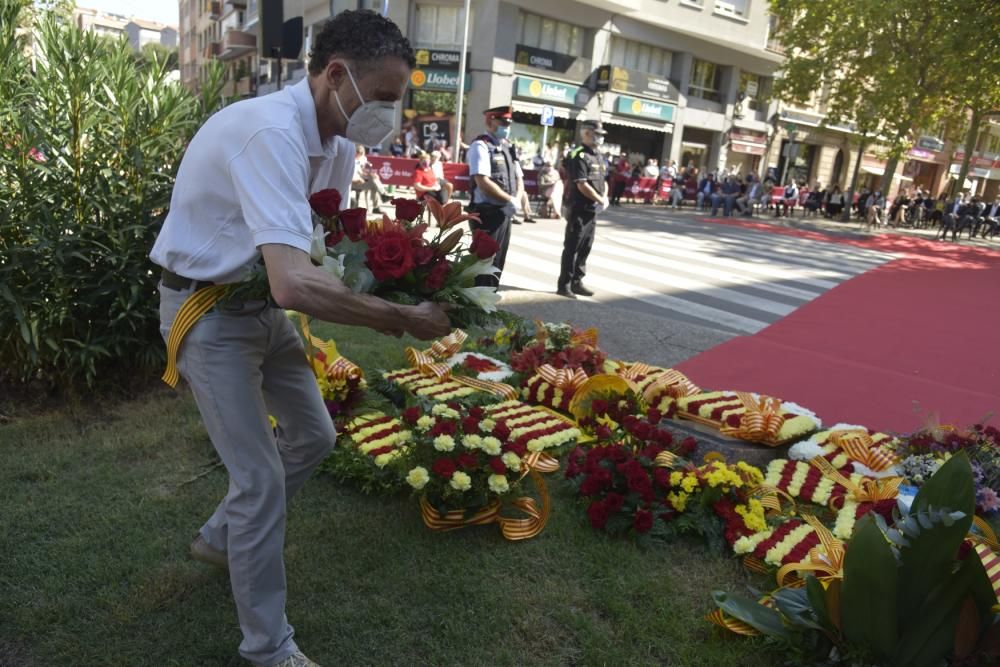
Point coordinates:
[[242, 194]]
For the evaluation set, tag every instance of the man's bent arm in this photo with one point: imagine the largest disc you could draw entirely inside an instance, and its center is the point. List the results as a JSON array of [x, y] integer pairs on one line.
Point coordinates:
[[588, 191], [297, 284]]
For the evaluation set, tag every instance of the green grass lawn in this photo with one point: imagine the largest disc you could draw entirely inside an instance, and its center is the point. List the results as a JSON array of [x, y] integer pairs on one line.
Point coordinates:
[[96, 514]]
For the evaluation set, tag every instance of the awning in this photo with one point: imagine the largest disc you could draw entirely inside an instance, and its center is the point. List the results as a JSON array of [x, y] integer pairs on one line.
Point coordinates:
[[748, 147], [880, 171], [531, 107], [610, 119]]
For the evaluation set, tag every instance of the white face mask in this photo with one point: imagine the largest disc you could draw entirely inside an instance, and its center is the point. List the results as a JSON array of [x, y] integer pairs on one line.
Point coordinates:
[[599, 139], [371, 122]]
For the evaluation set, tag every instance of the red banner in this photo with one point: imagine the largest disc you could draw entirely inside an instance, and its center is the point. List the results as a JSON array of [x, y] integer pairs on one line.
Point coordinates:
[[398, 171], [645, 188]]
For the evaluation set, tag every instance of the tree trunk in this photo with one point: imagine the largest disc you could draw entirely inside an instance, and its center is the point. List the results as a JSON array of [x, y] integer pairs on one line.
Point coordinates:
[[849, 199], [890, 167], [970, 143]]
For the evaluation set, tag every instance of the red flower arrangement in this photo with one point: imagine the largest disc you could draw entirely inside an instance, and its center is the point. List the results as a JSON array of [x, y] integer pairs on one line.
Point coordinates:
[[395, 260], [559, 346]]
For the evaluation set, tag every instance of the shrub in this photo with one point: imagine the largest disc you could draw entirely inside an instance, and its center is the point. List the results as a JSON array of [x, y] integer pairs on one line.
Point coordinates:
[[90, 147]]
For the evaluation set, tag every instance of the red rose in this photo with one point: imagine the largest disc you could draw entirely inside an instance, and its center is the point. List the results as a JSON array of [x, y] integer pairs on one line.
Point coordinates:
[[333, 238], [468, 460], [498, 466], [598, 513], [407, 209], [325, 203], [389, 256], [483, 246], [422, 255], [411, 415], [438, 276], [444, 468], [355, 222], [643, 521]]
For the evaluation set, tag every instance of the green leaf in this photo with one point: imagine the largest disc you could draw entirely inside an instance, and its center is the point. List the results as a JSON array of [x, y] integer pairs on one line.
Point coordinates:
[[795, 605], [869, 590], [754, 614], [817, 599], [930, 556]]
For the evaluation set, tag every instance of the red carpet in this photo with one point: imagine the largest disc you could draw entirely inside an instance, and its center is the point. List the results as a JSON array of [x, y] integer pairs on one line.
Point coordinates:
[[920, 334]]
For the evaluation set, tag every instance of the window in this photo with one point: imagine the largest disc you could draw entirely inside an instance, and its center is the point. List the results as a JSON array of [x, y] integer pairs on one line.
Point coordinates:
[[705, 81], [732, 7], [640, 57], [757, 89], [550, 34], [440, 26]]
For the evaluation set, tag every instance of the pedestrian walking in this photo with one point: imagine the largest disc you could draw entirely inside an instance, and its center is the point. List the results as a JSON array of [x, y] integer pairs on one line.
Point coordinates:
[[241, 195], [497, 181], [588, 197]]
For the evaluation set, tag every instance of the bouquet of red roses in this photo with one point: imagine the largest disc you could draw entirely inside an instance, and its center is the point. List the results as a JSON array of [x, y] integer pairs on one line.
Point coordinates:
[[399, 260]]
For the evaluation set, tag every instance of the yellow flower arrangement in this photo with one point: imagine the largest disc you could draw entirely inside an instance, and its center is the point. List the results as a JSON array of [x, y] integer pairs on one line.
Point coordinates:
[[776, 554], [678, 500], [753, 515]]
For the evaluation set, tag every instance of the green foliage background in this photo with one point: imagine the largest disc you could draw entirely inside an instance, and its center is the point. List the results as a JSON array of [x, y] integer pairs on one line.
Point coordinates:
[[90, 146]]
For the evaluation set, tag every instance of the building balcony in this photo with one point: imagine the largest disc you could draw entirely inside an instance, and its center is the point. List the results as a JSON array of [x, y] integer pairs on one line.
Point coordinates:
[[214, 10], [237, 43], [211, 50]]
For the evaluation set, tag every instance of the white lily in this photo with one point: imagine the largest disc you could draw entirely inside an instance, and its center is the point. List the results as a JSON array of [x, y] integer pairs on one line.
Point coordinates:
[[486, 298], [317, 249], [334, 265], [483, 267]]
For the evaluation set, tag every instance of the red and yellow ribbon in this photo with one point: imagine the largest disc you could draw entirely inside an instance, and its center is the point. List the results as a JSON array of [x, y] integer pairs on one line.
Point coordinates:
[[196, 305], [512, 528], [859, 446], [828, 562], [671, 382], [761, 420], [325, 359], [568, 380], [868, 491], [449, 345]]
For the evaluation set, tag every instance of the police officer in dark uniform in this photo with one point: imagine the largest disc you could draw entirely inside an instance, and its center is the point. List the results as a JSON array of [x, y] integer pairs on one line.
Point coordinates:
[[496, 181], [587, 170]]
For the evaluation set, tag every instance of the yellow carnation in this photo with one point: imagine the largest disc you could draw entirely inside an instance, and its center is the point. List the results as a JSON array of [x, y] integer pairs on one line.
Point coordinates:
[[418, 477], [491, 446], [487, 425], [444, 443], [426, 422], [498, 484], [472, 441], [511, 460], [460, 481]]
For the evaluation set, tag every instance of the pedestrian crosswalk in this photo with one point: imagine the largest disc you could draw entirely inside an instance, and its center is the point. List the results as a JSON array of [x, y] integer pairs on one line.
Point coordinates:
[[730, 278]]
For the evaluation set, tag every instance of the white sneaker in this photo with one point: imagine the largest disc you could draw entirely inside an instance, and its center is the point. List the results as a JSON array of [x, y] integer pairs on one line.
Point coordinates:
[[297, 659]]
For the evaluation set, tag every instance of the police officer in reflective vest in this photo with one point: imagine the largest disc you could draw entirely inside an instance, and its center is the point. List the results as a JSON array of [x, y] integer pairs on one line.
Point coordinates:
[[496, 181], [587, 197]]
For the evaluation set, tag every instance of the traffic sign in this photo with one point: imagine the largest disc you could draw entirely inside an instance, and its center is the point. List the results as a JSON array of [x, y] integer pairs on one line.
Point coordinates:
[[548, 116]]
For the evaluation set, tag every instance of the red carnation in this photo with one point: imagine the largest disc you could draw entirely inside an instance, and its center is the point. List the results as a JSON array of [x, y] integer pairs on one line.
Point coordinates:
[[407, 209], [444, 468], [389, 255], [355, 222], [443, 427], [467, 460], [733, 421], [614, 501], [380, 450], [411, 415], [477, 411], [501, 431], [643, 521], [483, 245], [603, 432], [654, 416], [470, 425], [498, 466], [662, 477], [325, 203], [598, 514]]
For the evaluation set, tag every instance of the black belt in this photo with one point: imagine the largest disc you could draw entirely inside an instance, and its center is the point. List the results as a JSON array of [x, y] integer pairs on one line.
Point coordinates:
[[176, 282]]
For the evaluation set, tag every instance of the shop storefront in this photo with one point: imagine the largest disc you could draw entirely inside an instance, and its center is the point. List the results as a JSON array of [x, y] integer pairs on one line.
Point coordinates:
[[432, 95], [639, 115], [926, 167], [531, 96], [796, 161], [746, 148], [980, 179], [696, 143]]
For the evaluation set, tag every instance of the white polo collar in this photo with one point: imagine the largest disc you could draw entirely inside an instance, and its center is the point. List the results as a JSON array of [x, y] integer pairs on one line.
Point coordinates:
[[302, 95]]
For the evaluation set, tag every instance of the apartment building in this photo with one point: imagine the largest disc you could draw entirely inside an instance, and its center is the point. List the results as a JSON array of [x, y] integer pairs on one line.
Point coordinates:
[[139, 31]]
